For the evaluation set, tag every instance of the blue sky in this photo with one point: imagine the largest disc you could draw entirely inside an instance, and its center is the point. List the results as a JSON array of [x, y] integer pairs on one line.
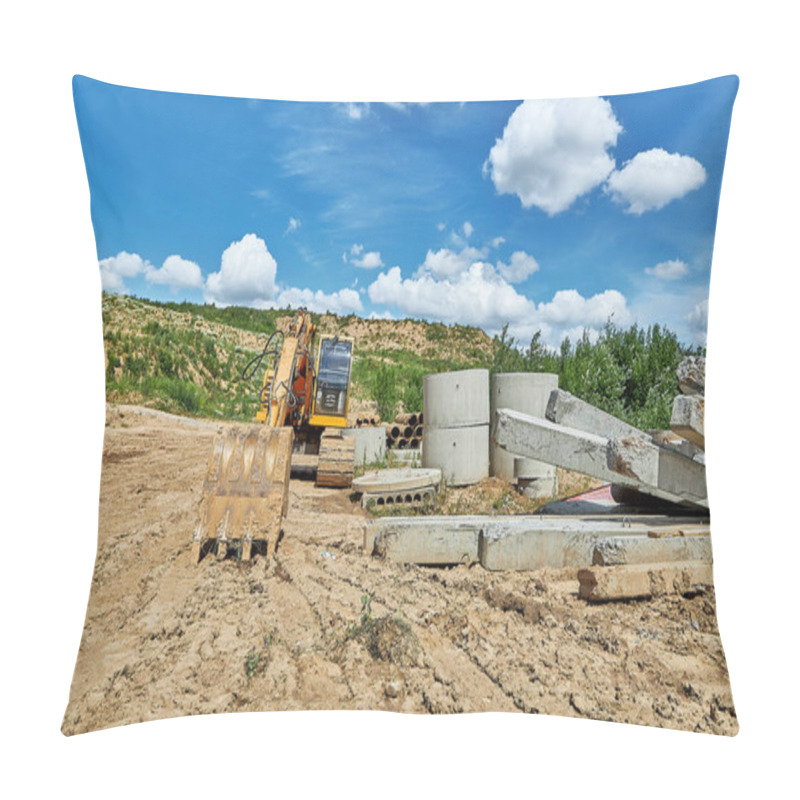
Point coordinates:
[[546, 215]]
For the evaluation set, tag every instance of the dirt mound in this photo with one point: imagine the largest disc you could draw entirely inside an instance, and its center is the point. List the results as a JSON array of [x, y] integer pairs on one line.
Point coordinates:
[[165, 637]]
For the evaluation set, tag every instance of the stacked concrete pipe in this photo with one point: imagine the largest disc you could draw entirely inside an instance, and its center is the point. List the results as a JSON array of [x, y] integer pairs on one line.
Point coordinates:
[[455, 436], [528, 393]]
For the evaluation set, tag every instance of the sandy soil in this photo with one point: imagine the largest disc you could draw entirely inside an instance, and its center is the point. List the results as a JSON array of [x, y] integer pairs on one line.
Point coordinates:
[[326, 627]]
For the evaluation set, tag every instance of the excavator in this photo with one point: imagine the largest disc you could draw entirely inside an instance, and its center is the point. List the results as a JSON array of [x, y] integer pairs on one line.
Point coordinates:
[[303, 406]]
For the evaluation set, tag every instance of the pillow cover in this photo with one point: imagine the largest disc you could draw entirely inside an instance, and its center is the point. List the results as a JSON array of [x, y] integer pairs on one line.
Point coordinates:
[[404, 407]]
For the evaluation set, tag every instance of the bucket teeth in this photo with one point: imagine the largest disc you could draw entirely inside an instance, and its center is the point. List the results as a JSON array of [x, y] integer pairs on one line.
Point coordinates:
[[246, 488]]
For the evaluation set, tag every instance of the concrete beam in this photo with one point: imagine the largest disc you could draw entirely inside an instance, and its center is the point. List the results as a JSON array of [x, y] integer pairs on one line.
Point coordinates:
[[614, 550], [660, 468], [565, 409], [628, 582], [688, 418], [537, 542], [569, 448]]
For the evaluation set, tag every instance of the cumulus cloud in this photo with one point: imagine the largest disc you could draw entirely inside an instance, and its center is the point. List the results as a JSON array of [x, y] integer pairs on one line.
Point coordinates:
[[497, 241], [698, 319], [553, 151], [344, 301], [668, 270], [358, 258], [476, 296], [177, 272], [246, 275], [447, 263], [521, 267], [653, 178], [481, 296], [467, 228], [370, 260], [115, 269], [293, 225]]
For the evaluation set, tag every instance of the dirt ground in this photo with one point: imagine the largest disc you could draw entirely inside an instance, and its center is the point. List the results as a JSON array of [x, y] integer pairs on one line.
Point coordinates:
[[325, 627]]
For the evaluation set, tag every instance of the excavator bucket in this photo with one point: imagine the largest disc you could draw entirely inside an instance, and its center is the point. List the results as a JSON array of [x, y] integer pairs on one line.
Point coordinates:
[[246, 490]]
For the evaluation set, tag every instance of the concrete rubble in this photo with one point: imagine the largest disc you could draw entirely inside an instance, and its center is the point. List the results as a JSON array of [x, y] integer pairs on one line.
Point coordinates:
[[644, 534]]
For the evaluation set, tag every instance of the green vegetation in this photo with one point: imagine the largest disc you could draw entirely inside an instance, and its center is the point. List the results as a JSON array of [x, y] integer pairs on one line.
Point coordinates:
[[188, 359], [629, 373]]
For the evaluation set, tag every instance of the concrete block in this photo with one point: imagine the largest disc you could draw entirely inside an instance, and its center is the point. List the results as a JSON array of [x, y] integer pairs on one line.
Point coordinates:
[[412, 540], [691, 374], [629, 582], [370, 444], [614, 550], [688, 418], [661, 468], [565, 409]]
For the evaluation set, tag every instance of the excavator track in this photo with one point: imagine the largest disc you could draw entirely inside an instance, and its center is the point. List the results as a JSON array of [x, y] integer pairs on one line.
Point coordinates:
[[336, 459], [246, 491]]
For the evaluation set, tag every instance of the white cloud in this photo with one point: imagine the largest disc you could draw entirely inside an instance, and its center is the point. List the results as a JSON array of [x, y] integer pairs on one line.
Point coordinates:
[[446, 263], [653, 178], [441, 226], [357, 110], [698, 320], [371, 260], [344, 301], [554, 151], [521, 267], [293, 225], [368, 260], [115, 269], [480, 296], [467, 228], [668, 270], [177, 272], [497, 241], [569, 307], [246, 275]]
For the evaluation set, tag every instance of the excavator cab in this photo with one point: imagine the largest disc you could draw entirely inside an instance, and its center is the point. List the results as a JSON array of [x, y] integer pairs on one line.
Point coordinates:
[[331, 395]]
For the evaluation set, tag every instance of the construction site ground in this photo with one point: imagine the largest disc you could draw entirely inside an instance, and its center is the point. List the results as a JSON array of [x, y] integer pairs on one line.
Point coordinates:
[[326, 627]]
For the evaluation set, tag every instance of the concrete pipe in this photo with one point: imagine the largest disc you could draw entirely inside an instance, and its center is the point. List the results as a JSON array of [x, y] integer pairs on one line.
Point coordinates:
[[456, 399], [528, 393], [461, 453]]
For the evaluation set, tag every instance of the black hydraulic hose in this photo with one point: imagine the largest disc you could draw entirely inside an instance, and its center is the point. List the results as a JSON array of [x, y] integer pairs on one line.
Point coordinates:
[[255, 362]]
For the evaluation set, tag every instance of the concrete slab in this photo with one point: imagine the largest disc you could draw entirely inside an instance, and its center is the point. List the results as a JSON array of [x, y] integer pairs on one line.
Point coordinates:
[[629, 582], [688, 418], [658, 467], [614, 550]]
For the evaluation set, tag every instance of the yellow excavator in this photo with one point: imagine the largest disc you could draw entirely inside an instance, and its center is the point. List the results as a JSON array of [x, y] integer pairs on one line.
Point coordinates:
[[302, 409]]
